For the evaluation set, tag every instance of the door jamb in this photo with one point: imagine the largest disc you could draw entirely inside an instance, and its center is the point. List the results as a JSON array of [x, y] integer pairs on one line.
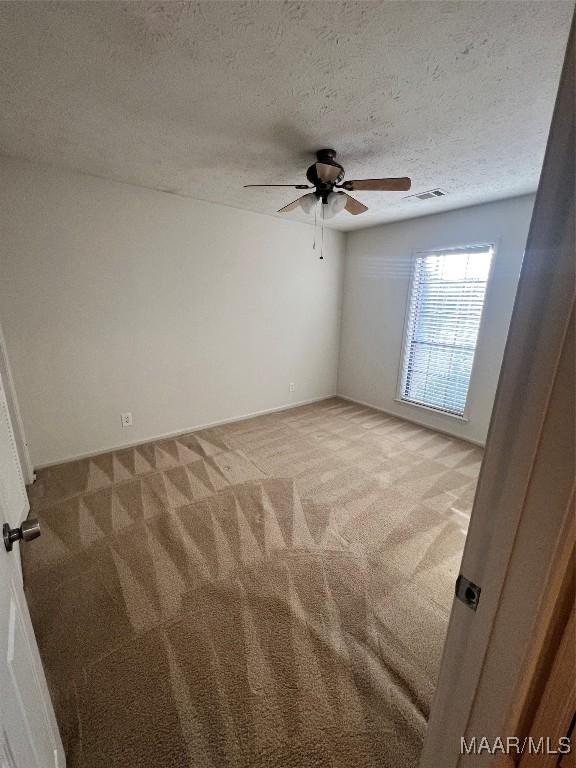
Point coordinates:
[[7, 381]]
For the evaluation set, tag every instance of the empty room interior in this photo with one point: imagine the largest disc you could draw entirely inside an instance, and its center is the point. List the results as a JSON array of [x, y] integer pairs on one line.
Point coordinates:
[[258, 264]]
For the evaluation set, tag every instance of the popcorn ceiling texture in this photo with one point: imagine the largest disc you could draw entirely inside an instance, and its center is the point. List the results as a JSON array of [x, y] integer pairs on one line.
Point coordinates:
[[201, 98]]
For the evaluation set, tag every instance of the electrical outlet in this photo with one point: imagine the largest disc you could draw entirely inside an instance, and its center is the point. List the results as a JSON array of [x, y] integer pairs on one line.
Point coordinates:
[[126, 419], [292, 386]]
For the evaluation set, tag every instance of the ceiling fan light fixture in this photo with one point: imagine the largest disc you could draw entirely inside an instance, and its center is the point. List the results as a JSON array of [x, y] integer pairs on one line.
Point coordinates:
[[325, 176], [308, 202], [336, 202]]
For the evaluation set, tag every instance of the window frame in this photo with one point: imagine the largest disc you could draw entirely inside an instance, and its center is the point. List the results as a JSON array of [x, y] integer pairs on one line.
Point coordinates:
[[465, 415]]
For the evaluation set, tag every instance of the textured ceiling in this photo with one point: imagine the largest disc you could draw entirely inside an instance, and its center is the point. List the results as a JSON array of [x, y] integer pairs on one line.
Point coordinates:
[[201, 98]]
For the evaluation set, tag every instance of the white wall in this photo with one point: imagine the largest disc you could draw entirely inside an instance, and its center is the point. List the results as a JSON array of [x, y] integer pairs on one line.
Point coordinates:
[[115, 298], [376, 285]]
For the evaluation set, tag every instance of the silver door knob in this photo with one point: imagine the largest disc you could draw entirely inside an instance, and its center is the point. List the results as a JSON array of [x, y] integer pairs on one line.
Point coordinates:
[[30, 529]]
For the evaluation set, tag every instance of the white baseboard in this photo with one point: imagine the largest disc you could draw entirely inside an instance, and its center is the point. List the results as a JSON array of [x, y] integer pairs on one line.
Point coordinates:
[[411, 420], [177, 433]]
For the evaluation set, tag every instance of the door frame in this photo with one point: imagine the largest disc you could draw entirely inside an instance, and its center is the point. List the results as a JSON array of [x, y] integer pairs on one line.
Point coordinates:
[[546, 697], [527, 478], [15, 414]]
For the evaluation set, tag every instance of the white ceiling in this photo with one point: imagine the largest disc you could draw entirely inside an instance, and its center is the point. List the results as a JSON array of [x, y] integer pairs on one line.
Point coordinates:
[[199, 98]]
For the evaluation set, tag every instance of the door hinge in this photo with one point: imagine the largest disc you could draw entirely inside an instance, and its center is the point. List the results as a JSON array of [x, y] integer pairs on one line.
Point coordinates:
[[468, 592]]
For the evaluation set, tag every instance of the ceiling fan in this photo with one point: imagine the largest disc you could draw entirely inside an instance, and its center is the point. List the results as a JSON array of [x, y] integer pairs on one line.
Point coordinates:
[[325, 176]]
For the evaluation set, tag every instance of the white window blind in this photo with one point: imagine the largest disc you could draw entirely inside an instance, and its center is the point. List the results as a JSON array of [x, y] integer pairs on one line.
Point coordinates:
[[445, 308]]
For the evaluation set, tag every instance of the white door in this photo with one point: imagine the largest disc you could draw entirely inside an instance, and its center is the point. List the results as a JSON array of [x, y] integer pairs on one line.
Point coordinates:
[[29, 735]]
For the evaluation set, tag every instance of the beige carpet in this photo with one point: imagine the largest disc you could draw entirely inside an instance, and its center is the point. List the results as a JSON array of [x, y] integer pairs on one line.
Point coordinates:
[[273, 592]]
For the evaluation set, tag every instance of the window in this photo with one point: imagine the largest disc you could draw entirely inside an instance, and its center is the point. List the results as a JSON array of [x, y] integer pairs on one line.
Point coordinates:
[[446, 300]]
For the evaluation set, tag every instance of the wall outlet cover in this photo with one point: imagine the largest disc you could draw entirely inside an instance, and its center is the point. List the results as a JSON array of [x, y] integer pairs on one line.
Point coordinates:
[[126, 419]]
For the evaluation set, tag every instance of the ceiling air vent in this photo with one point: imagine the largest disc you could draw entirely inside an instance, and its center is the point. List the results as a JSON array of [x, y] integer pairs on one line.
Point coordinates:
[[428, 195]]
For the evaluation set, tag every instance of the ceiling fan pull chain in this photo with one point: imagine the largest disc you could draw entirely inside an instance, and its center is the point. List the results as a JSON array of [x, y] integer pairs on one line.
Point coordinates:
[[322, 243], [315, 223]]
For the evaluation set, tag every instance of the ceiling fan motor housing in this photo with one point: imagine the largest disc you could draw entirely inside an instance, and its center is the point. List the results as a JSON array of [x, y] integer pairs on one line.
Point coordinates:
[[324, 187]]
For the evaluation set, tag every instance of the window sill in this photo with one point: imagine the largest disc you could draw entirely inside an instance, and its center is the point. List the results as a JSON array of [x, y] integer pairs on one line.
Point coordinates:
[[428, 408]]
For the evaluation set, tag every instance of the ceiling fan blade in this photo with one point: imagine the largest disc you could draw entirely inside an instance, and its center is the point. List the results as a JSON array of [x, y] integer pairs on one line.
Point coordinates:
[[292, 186], [327, 172], [401, 184], [291, 206], [354, 206]]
